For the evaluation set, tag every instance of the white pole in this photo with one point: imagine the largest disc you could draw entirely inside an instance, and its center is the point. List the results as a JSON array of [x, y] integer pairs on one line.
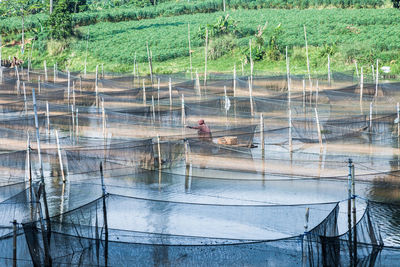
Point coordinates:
[[77, 124], [316, 95], [159, 152], [304, 92], [39, 84], [318, 127], [37, 132], [251, 97], [104, 118], [373, 72], [54, 73], [59, 157]]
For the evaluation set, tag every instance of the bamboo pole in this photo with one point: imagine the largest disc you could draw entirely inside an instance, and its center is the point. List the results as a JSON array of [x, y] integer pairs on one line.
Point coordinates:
[[159, 153], [329, 71], [39, 85], [262, 133], [377, 78], [205, 58], [183, 112], [318, 127], [398, 119], [25, 101], [77, 125], [308, 60], [68, 85], [198, 84], [190, 54], [170, 91], [361, 87], [358, 75], [103, 118], [96, 87], [150, 64], [234, 80], [60, 157], [370, 117], [48, 117], [144, 93], [45, 71], [290, 129], [153, 109]]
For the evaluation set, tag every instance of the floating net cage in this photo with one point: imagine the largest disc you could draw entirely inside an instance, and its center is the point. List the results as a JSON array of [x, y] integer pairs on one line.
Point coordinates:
[[267, 185]]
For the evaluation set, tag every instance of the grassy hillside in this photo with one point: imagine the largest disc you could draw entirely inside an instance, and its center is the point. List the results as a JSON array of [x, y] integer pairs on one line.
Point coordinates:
[[363, 35]]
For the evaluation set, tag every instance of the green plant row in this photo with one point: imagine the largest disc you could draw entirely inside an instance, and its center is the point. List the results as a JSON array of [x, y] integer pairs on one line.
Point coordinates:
[[13, 25]]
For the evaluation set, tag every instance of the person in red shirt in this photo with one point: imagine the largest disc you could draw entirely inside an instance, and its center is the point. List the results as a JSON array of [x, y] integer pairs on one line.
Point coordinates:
[[204, 131]]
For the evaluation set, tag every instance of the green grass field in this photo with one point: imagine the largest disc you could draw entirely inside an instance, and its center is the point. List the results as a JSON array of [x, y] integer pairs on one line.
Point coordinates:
[[355, 34]]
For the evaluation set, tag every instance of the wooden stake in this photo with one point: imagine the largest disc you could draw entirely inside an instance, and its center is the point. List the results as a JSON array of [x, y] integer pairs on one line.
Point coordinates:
[[308, 60], [318, 127], [190, 54], [205, 58], [60, 157]]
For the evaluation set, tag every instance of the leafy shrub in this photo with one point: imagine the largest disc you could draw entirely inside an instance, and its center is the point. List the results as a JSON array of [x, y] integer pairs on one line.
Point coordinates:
[[60, 21], [221, 46]]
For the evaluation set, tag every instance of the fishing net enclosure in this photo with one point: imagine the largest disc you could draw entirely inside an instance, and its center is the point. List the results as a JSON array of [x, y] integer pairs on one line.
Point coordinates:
[[113, 169]]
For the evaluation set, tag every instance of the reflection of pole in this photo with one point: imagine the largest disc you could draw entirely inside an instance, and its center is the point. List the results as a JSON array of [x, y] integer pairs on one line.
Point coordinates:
[[104, 216], [14, 243], [60, 158], [349, 210], [354, 215], [305, 237]]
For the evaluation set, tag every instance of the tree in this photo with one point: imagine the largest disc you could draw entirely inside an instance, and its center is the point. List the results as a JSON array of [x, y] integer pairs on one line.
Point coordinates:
[[21, 8], [60, 21]]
